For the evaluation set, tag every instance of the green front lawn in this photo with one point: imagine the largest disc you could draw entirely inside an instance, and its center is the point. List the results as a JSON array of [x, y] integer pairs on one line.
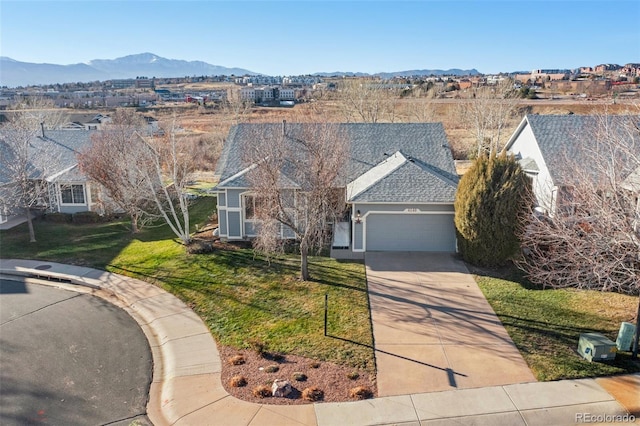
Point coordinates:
[[241, 297], [246, 300], [546, 324]]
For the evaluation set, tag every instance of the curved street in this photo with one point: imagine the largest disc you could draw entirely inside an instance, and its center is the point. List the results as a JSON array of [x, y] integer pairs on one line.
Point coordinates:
[[69, 358]]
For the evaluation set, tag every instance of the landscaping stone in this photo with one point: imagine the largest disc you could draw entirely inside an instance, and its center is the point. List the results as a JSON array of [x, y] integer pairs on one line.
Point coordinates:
[[280, 388]]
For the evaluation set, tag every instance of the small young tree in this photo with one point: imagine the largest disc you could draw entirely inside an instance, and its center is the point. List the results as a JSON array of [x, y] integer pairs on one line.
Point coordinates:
[[294, 176], [489, 205]]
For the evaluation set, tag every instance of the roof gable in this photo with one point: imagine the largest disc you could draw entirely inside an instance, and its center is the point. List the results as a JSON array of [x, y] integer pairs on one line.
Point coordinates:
[[375, 174], [564, 139]]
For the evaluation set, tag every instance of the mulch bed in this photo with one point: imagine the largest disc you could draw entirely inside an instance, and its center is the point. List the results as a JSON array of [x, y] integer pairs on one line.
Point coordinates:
[[332, 379]]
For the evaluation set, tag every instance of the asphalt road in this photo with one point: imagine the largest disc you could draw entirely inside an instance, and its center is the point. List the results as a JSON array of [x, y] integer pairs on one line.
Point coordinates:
[[68, 358]]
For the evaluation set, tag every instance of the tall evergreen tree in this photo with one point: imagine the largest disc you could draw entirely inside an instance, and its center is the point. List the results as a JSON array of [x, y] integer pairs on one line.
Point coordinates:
[[490, 203]]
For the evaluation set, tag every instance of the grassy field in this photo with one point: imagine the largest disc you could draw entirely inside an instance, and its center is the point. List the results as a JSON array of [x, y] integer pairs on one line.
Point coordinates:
[[243, 299], [546, 324]]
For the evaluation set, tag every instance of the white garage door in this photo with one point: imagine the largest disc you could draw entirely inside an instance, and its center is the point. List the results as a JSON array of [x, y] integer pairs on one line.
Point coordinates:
[[410, 232]]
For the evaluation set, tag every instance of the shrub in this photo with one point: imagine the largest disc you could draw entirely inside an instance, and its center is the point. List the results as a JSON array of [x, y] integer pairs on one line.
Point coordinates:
[[86, 217], [238, 381], [299, 377], [271, 368], [313, 394], [314, 364], [361, 392], [58, 217], [262, 391], [490, 204], [237, 360], [353, 375], [199, 247]]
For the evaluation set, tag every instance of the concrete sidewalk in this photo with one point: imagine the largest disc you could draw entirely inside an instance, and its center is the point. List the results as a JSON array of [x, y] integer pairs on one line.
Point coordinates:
[[433, 328], [186, 387]]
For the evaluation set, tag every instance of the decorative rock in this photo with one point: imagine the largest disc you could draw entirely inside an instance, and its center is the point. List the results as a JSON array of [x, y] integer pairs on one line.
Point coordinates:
[[280, 388]]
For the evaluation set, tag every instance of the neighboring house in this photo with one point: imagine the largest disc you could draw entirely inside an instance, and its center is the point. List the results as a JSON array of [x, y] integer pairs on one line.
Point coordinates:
[[399, 190], [68, 190], [85, 122], [549, 146]]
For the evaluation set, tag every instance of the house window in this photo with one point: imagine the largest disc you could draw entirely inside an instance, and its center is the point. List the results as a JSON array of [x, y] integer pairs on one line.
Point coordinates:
[[72, 194], [249, 207]]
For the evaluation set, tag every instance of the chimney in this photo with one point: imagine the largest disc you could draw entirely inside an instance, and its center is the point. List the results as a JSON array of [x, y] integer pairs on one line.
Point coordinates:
[[42, 127], [284, 127]]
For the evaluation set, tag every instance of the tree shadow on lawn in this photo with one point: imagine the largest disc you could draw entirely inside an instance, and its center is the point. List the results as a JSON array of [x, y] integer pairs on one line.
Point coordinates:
[[332, 276], [214, 277], [560, 333], [93, 245], [508, 272]]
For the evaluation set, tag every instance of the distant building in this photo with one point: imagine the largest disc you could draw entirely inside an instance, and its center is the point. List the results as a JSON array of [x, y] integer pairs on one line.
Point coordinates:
[[267, 94], [550, 74], [138, 83], [590, 87], [248, 94], [631, 70], [522, 78], [465, 83], [84, 122], [144, 83], [123, 83], [600, 69]]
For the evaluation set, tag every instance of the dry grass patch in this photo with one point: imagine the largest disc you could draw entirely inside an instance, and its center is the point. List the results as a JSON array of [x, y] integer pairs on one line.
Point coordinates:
[[313, 394], [262, 391], [238, 381], [237, 360], [361, 392]]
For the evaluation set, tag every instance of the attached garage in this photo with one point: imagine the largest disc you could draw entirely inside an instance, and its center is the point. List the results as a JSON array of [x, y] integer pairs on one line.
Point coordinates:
[[410, 232]]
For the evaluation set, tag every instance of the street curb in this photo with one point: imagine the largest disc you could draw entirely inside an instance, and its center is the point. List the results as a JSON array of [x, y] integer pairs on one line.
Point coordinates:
[[150, 313]]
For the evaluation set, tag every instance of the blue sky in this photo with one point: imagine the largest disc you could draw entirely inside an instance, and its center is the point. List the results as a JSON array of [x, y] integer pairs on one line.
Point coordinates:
[[282, 37]]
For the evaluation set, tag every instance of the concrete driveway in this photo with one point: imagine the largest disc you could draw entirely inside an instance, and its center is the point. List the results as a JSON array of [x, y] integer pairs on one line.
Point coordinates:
[[433, 329], [69, 358]]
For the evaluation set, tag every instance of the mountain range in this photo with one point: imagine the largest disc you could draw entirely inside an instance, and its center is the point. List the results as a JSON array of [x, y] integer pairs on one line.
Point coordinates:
[[15, 73]]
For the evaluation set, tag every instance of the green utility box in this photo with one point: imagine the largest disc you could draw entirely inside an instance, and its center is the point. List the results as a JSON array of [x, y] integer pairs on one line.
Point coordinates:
[[625, 336], [596, 347]]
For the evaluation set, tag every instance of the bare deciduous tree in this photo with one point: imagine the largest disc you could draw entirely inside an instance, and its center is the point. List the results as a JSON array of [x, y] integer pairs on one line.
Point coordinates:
[[35, 112], [366, 101], [25, 159], [117, 160], [235, 106], [172, 169], [487, 113], [295, 177], [145, 176], [592, 239]]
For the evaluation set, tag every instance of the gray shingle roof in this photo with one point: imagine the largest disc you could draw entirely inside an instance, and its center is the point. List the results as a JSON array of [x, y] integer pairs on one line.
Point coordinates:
[[432, 178], [563, 139], [409, 183], [55, 152]]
